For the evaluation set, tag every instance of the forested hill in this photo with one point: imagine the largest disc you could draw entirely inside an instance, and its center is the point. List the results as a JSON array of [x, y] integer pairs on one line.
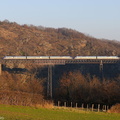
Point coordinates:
[[18, 39]]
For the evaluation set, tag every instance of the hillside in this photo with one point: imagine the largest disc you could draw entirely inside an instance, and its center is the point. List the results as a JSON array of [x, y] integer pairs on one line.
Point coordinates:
[[18, 39], [29, 79]]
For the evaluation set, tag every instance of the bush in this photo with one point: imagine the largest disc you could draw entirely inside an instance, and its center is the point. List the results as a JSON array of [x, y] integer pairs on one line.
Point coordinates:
[[115, 109], [20, 98]]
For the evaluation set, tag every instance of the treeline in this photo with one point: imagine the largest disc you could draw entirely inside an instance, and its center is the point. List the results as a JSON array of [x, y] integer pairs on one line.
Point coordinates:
[[78, 88], [26, 89], [21, 89]]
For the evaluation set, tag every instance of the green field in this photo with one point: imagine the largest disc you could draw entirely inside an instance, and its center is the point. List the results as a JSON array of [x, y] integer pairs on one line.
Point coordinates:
[[31, 113]]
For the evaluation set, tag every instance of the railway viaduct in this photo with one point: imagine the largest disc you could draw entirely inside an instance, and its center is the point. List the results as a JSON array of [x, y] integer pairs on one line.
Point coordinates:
[[51, 63]]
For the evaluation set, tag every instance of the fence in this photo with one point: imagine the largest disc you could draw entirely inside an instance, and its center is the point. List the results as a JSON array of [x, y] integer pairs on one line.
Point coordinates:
[[83, 106]]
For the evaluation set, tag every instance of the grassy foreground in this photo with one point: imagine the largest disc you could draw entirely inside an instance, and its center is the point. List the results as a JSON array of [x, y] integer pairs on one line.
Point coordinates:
[[30, 113]]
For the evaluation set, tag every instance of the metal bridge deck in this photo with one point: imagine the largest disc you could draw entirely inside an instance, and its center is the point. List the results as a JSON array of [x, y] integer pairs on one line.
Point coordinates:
[[60, 61]]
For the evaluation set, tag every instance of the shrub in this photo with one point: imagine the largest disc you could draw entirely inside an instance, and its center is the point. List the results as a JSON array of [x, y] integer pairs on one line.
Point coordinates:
[[115, 109], [20, 98]]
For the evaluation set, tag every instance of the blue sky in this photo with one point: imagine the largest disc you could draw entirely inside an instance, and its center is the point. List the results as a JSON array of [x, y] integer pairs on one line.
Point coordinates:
[[98, 18]]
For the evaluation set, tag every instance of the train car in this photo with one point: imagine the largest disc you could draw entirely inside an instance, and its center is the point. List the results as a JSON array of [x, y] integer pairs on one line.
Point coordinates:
[[8, 57], [38, 57], [85, 57], [61, 57], [108, 57], [14, 57]]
